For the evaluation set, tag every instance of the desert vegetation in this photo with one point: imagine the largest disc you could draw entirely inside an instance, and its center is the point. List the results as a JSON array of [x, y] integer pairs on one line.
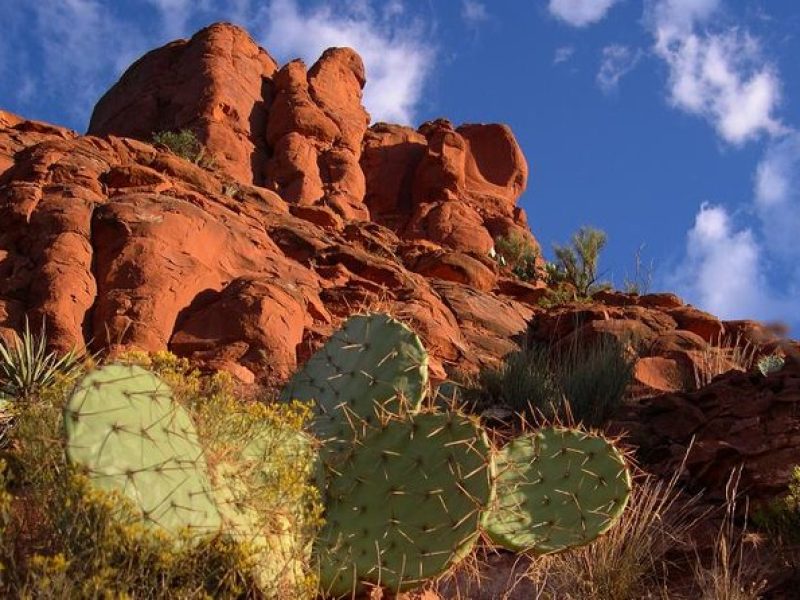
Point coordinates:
[[142, 475], [572, 277], [185, 144], [583, 381]]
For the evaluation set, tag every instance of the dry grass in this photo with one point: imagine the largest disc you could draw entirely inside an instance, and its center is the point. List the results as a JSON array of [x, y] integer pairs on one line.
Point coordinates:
[[632, 561], [730, 574], [722, 356]]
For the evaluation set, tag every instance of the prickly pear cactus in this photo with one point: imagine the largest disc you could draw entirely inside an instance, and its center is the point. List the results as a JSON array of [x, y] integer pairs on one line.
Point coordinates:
[[364, 367], [281, 555], [556, 489], [406, 503], [124, 428]]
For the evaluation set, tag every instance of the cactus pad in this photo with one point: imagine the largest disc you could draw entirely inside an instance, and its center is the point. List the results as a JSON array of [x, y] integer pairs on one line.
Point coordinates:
[[406, 503], [556, 489], [364, 366], [123, 426]]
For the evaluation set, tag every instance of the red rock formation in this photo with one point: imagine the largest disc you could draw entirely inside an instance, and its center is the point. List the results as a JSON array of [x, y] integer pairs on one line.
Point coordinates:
[[118, 242], [216, 84], [315, 128], [457, 187], [740, 420]]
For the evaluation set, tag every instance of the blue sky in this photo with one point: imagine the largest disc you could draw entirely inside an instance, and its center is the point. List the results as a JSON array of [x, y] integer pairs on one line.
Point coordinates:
[[668, 123]]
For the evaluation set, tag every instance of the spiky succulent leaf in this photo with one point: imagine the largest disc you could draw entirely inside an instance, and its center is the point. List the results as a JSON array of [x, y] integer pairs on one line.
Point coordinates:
[[26, 367], [770, 364], [124, 428], [556, 489], [258, 503], [366, 366], [406, 503]]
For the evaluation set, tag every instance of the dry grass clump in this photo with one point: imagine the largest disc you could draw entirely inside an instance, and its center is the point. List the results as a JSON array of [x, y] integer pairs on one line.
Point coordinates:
[[722, 356]]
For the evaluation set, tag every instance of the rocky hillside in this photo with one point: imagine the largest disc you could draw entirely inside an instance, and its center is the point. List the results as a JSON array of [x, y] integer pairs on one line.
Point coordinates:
[[300, 213]]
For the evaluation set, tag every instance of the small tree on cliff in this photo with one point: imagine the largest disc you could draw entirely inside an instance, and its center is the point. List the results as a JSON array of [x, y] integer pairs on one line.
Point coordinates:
[[519, 254], [576, 264]]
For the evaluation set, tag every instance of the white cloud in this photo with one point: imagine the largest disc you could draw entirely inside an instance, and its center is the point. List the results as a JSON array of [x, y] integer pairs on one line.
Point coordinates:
[[397, 58], [777, 199], [563, 54], [394, 8], [720, 76], [679, 17], [473, 11], [722, 272], [580, 13], [617, 62], [175, 15]]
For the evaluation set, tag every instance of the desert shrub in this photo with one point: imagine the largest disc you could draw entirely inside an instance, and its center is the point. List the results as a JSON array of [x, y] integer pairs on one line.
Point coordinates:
[[519, 254], [524, 382], [26, 368], [97, 543], [781, 518], [185, 144], [594, 377], [67, 539], [577, 263], [584, 381], [772, 363]]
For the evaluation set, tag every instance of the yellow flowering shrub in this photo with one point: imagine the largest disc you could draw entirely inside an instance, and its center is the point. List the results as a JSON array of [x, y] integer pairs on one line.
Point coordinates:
[[61, 537]]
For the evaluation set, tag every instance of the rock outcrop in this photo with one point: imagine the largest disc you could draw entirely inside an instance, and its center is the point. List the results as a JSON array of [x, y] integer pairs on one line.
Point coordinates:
[[739, 421], [676, 346], [315, 128], [455, 186], [118, 243], [216, 84]]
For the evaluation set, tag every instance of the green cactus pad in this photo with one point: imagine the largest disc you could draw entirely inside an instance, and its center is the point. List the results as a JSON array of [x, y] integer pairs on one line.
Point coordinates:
[[124, 428], [364, 366], [406, 503], [556, 489]]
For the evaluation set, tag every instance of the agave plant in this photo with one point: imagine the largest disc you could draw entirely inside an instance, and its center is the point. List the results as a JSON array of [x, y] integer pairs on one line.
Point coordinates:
[[26, 367], [770, 364]]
